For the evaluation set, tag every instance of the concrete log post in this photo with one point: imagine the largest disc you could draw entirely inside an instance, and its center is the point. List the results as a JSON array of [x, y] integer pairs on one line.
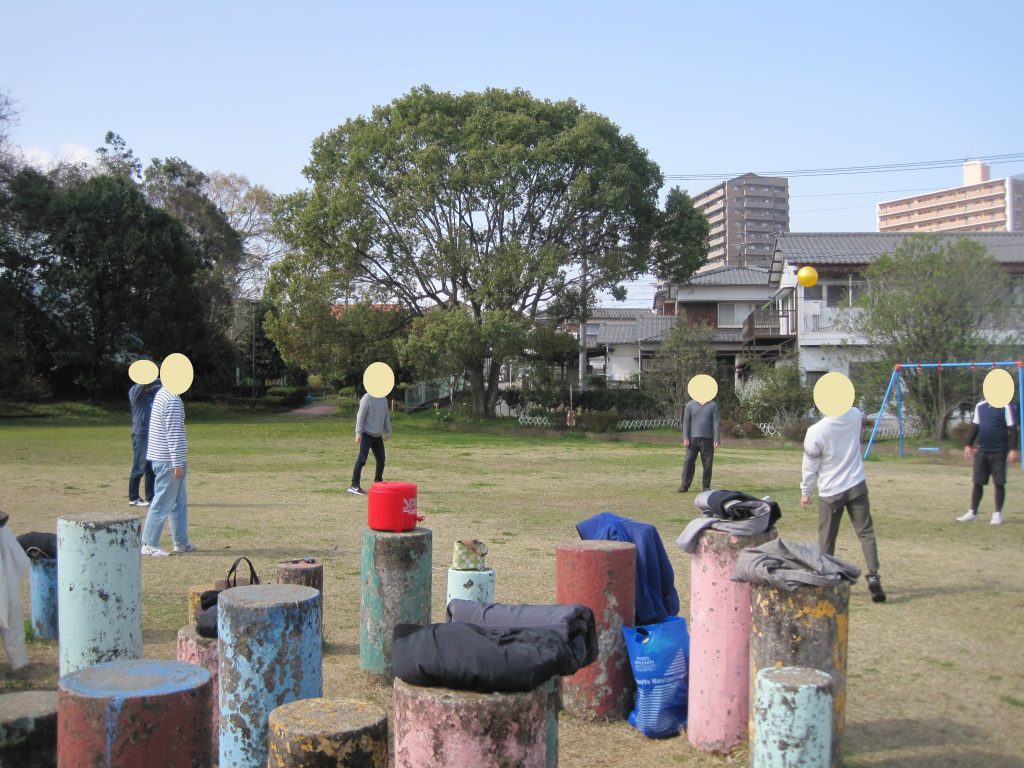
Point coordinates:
[[793, 718], [719, 694], [396, 586], [125, 714], [42, 579], [28, 729], [202, 651], [803, 628], [440, 728], [313, 733], [601, 575], [471, 585], [99, 602], [303, 573], [270, 653]]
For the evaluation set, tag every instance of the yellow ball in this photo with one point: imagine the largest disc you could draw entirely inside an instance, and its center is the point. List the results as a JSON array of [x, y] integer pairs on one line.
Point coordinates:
[[807, 276]]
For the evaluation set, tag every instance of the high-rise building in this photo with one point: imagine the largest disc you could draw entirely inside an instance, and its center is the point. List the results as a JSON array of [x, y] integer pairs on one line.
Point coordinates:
[[982, 204], [745, 214]]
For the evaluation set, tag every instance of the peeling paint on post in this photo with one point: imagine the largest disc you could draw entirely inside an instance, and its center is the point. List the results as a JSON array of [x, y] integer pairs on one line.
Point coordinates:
[[28, 729], [270, 652], [317, 733], [803, 628], [719, 697], [42, 579], [99, 573], [125, 714], [442, 728], [396, 578], [793, 715], [202, 651], [601, 575], [471, 585]]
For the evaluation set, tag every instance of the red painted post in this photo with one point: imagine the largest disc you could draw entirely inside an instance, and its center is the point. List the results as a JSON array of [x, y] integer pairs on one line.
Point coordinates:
[[129, 713], [601, 575]]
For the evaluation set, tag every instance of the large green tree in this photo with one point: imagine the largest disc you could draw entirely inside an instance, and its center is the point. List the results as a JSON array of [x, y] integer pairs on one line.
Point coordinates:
[[688, 351], [114, 276], [480, 205], [936, 300]]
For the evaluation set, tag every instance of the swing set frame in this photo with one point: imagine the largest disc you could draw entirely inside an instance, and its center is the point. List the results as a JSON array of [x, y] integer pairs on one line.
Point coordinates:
[[897, 375]]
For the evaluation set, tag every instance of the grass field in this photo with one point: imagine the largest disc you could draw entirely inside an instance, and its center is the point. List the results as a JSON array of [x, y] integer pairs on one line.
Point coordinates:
[[936, 674]]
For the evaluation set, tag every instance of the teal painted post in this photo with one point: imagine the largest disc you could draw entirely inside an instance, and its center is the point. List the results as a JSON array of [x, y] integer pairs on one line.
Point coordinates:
[[396, 579], [99, 601], [42, 579], [270, 652], [471, 585], [793, 712]]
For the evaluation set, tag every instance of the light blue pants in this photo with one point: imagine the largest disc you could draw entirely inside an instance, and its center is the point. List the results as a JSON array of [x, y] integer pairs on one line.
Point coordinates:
[[170, 502]]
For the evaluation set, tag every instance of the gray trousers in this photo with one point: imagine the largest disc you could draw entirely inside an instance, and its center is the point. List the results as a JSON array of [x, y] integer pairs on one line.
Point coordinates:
[[830, 514]]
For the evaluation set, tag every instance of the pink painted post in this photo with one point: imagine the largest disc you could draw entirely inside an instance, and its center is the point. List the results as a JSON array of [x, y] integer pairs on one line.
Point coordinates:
[[601, 575], [719, 698], [440, 728]]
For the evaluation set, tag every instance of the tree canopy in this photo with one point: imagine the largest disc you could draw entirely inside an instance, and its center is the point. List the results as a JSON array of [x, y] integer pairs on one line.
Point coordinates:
[[488, 205], [688, 351], [935, 300]]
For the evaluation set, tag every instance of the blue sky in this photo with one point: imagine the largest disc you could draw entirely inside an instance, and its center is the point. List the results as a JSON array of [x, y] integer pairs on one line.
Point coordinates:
[[720, 87]]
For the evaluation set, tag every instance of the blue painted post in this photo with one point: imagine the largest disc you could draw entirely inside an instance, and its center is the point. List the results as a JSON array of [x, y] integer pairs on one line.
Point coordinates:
[[396, 577], [99, 573], [471, 585], [270, 653], [793, 712], [42, 580]]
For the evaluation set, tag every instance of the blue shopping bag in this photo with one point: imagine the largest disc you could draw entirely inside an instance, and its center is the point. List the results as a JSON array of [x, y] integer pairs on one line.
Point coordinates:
[[659, 655]]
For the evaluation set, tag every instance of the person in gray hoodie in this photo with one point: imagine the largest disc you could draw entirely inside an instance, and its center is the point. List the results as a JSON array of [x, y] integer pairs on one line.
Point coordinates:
[[373, 427]]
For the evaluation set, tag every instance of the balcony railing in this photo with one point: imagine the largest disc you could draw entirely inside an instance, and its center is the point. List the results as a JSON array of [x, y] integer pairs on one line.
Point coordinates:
[[831, 320], [769, 322]]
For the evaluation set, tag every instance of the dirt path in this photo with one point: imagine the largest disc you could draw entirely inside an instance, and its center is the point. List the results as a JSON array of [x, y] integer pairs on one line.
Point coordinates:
[[313, 409]]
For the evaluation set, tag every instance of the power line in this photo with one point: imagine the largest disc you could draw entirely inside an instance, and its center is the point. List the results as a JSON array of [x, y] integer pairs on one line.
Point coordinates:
[[921, 165]]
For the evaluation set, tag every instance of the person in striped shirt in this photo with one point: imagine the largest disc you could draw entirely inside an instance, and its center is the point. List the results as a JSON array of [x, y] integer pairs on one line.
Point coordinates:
[[167, 449]]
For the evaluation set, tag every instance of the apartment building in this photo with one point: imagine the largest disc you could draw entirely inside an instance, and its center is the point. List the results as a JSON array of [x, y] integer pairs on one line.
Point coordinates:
[[745, 214], [982, 204]]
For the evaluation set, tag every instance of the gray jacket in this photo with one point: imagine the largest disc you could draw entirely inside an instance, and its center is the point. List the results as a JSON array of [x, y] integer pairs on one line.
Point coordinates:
[[372, 417]]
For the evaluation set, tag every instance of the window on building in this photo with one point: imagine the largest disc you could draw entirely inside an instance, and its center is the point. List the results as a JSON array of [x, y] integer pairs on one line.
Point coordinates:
[[813, 376], [815, 292], [731, 314]]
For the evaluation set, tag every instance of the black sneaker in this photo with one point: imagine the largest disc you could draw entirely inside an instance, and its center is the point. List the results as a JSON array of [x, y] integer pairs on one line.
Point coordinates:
[[875, 588], [682, 489], [355, 490]]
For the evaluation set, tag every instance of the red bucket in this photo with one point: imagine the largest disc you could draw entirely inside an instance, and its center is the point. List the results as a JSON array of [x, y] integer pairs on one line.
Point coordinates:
[[392, 507]]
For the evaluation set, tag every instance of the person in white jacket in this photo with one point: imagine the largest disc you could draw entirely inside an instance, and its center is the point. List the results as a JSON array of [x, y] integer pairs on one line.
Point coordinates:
[[14, 565], [832, 461]]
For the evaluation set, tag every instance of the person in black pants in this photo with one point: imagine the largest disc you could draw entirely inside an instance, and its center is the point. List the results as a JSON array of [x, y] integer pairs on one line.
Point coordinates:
[[995, 430], [701, 434]]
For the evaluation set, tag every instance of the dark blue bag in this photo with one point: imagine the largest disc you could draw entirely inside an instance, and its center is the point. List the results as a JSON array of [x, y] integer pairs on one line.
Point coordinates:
[[659, 655]]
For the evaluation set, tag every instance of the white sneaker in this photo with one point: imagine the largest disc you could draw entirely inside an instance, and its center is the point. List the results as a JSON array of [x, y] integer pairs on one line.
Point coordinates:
[[154, 551], [997, 518], [138, 503], [968, 517], [182, 548]]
